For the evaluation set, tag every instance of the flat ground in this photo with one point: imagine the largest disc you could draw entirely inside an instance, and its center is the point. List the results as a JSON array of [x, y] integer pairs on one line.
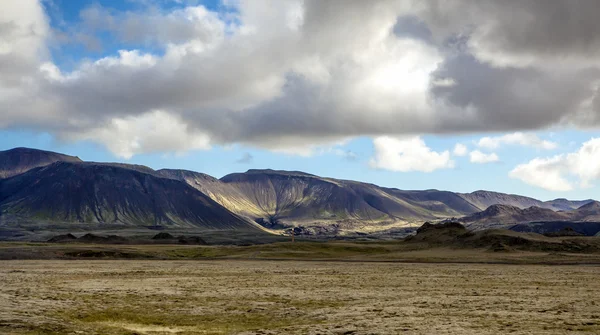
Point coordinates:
[[295, 297]]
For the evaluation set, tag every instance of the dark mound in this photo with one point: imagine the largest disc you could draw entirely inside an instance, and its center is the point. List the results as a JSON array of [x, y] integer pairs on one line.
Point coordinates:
[[449, 226], [438, 233], [567, 231], [104, 254], [163, 236], [500, 247], [91, 238], [63, 238], [454, 235], [111, 239], [556, 228], [191, 240]]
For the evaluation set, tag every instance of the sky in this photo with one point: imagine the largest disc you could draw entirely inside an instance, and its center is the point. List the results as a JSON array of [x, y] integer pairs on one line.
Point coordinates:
[[451, 95]]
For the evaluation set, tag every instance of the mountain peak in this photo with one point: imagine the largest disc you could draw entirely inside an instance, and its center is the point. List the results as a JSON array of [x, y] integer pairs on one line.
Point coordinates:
[[591, 205], [19, 160], [279, 172]]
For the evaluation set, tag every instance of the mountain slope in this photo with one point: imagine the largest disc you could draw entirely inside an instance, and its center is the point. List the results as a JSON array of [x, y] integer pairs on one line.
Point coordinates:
[[276, 198], [286, 198], [225, 194], [43, 188], [19, 160], [105, 193]]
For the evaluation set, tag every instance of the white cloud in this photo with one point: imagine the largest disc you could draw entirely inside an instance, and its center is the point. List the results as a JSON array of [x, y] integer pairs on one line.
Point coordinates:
[[408, 154], [546, 173], [552, 173], [157, 131], [460, 150], [479, 157], [518, 138]]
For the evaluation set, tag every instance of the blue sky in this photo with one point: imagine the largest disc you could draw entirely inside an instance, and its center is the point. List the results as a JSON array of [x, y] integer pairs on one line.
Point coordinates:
[[225, 87]]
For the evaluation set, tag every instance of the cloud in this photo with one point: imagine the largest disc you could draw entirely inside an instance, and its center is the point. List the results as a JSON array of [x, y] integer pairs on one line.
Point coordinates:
[[518, 138], [153, 132], [155, 27], [479, 157], [546, 173], [460, 150], [554, 173], [297, 75], [521, 34], [408, 154], [247, 158], [347, 155]]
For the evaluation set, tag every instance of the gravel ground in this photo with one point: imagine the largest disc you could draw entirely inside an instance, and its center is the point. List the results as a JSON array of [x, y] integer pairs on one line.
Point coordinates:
[[295, 297]]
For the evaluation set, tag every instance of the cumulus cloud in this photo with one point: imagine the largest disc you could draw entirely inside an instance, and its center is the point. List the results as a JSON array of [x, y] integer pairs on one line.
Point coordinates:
[[479, 157], [547, 173], [148, 133], [556, 173], [518, 138], [292, 76], [408, 154], [460, 150]]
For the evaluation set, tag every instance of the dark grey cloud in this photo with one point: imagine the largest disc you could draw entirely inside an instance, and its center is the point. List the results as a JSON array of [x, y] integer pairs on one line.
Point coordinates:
[[507, 98], [413, 27], [517, 32], [247, 158]]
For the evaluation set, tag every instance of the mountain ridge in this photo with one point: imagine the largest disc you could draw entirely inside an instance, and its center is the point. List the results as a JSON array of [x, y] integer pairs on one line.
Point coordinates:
[[273, 199]]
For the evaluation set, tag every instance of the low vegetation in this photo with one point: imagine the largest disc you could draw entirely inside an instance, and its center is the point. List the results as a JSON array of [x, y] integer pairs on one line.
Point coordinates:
[[294, 297]]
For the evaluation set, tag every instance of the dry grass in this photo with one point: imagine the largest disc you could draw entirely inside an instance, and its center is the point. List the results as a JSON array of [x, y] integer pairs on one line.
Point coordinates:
[[292, 297]]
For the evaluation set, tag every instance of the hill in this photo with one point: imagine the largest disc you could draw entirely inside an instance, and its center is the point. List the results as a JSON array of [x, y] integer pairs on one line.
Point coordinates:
[[116, 194], [20, 160]]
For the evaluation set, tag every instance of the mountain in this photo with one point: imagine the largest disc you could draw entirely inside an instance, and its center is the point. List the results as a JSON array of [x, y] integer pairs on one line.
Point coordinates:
[[485, 199], [226, 195], [566, 205], [106, 193], [277, 199], [587, 212], [505, 214], [50, 187], [19, 160]]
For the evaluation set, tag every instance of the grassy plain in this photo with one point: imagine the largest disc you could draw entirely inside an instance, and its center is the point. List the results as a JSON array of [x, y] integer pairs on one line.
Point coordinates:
[[232, 296]]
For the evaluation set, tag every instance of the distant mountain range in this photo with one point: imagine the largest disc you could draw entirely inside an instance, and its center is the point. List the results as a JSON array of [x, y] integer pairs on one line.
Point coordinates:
[[41, 186]]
